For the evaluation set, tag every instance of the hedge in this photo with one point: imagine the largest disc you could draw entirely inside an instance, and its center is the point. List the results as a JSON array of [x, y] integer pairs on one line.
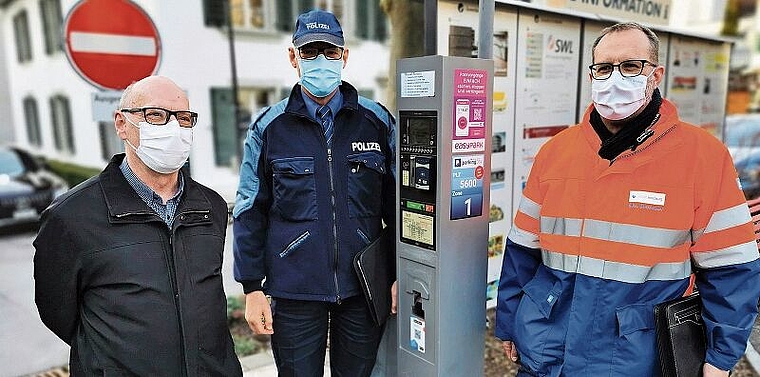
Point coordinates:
[[71, 173]]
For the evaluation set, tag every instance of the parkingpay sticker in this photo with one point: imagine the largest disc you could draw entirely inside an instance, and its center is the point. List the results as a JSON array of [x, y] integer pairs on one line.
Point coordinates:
[[646, 197], [417, 334]]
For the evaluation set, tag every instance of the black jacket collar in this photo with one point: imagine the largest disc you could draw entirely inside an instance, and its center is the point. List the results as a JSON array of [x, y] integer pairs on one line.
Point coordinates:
[[122, 200]]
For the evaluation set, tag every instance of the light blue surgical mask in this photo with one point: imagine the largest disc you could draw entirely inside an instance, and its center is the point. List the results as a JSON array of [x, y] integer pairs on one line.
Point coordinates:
[[321, 76]]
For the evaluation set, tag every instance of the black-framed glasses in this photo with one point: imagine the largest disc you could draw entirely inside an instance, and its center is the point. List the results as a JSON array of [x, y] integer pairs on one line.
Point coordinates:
[[158, 116], [311, 53], [627, 68]]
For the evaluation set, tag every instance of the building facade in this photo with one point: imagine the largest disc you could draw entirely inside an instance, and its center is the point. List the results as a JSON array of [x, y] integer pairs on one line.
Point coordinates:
[[51, 106]]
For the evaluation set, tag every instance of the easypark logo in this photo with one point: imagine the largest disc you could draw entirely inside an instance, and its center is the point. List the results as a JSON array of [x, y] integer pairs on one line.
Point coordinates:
[[469, 145]]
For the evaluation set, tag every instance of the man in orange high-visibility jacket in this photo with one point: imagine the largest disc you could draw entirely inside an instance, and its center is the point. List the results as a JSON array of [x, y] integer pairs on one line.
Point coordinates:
[[616, 214]]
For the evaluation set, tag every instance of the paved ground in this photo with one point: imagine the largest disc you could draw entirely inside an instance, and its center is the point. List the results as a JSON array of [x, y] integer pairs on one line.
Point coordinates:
[[26, 345], [753, 349]]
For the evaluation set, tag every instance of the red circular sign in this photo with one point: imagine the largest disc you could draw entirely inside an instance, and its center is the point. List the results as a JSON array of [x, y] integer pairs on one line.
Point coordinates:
[[462, 122], [111, 43], [479, 171]]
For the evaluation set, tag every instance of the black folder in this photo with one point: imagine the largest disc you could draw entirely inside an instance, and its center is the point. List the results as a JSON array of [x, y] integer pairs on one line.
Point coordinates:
[[374, 266], [681, 340]]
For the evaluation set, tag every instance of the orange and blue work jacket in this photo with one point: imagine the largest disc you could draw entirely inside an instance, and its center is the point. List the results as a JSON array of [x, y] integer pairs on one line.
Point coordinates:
[[597, 243]]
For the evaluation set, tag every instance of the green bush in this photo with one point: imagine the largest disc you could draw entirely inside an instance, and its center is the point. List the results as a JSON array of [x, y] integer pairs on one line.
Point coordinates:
[[245, 346], [71, 173], [235, 308]]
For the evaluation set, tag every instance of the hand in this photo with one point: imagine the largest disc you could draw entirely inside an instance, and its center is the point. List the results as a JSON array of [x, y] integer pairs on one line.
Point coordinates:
[[258, 313], [710, 371], [510, 350], [394, 297]]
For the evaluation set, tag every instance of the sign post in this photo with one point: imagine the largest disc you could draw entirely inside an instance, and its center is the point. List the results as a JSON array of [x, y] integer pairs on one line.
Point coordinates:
[[110, 51]]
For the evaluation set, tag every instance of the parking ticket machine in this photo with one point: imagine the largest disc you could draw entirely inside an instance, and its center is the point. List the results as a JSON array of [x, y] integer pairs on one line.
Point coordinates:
[[444, 127]]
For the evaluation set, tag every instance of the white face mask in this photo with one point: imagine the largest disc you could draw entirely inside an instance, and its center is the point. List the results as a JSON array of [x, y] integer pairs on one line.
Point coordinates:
[[164, 149], [618, 97]]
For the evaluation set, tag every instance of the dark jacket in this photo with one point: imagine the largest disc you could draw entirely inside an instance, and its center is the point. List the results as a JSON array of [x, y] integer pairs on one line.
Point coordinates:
[[303, 210], [130, 296]]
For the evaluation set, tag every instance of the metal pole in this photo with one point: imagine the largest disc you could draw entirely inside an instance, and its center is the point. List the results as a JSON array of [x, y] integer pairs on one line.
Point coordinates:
[[239, 131], [430, 22], [485, 28]]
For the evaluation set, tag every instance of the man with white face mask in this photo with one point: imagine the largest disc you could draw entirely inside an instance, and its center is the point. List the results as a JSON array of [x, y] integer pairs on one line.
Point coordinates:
[[616, 214], [127, 264], [317, 182]]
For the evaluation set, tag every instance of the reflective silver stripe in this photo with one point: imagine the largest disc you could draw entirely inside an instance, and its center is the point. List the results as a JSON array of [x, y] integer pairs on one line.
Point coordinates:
[[529, 207], [743, 253], [622, 272], [729, 218], [636, 234], [523, 237], [561, 226]]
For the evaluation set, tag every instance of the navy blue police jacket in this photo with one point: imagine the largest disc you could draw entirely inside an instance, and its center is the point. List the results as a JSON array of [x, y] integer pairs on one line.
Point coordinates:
[[303, 209]]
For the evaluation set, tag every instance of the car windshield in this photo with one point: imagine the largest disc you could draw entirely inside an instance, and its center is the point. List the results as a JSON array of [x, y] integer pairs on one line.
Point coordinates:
[[10, 163], [743, 132]]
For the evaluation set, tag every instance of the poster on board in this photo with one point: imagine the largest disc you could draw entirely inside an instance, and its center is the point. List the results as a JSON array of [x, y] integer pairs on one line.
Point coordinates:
[[457, 36], [697, 81], [546, 85]]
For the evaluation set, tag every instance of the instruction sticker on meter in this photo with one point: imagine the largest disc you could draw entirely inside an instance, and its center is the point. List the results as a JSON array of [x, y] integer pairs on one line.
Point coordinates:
[[470, 89], [467, 173], [417, 334]]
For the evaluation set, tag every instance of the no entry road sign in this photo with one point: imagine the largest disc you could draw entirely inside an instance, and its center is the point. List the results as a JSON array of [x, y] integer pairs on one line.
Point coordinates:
[[111, 43]]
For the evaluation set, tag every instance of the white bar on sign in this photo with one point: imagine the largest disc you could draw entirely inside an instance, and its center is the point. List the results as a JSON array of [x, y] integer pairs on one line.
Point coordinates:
[[112, 44]]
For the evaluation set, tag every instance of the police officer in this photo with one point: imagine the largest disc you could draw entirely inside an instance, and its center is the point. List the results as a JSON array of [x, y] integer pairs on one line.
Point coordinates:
[[316, 184]]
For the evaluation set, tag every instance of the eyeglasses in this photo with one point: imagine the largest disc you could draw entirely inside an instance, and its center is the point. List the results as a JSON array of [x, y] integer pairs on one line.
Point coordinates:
[[158, 116], [628, 68], [311, 53]]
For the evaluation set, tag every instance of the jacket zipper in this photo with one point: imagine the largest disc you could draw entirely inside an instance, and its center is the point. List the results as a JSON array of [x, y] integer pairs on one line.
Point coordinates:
[[645, 147], [334, 224], [173, 280], [175, 289], [125, 214], [332, 202]]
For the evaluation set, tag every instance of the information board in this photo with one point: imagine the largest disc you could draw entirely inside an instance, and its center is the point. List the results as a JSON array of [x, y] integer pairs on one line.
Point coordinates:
[[697, 81]]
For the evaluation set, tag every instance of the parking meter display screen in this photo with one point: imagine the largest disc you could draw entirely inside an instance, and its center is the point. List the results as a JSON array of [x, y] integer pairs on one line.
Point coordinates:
[[420, 130]]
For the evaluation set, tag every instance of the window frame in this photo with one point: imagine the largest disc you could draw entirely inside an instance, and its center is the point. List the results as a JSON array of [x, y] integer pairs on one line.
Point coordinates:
[[51, 29], [268, 11], [32, 121], [22, 36], [60, 116], [109, 140]]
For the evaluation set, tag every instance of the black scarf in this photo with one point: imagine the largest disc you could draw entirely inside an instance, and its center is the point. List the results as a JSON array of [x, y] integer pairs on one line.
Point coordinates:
[[631, 135]]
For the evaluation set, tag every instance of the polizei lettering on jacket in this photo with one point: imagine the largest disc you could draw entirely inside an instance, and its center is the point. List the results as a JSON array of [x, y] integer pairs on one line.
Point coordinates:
[[362, 146]]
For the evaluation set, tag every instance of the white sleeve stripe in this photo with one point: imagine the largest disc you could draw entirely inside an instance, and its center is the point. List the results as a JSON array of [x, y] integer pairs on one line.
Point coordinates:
[[737, 254], [529, 207], [524, 238], [729, 218]]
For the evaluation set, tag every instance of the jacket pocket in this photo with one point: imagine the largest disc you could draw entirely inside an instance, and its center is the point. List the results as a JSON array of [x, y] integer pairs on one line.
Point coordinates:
[[295, 244], [538, 336], [635, 344], [365, 184], [294, 188]]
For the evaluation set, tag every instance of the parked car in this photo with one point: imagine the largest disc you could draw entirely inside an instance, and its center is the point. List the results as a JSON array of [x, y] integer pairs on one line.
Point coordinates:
[[742, 137], [27, 186]]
